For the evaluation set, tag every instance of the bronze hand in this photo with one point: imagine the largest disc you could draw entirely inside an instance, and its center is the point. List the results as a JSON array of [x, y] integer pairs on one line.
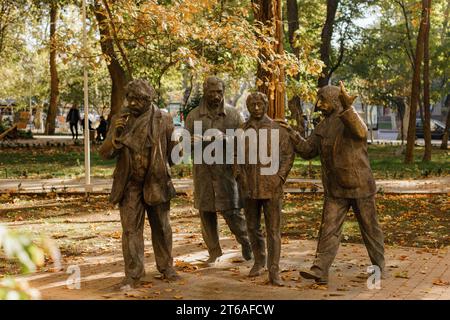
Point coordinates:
[[346, 99]]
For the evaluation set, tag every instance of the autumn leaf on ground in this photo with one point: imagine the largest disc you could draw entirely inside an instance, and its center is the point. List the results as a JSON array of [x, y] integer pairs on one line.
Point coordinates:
[[316, 286], [439, 282], [147, 284], [115, 235], [185, 266], [402, 274], [342, 289]]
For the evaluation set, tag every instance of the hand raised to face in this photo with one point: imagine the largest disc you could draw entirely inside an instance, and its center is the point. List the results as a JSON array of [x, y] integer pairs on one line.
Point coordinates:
[[346, 99]]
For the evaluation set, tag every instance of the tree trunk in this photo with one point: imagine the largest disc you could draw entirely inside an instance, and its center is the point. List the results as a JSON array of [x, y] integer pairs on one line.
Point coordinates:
[[444, 144], [403, 116], [325, 47], [295, 103], [115, 69], [293, 24], [415, 86], [426, 88], [268, 12], [54, 81], [405, 121]]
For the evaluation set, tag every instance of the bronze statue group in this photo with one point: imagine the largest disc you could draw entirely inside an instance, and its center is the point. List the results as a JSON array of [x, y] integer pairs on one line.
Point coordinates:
[[140, 138]]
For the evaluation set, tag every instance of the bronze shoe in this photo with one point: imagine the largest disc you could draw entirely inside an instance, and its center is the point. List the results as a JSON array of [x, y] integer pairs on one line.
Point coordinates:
[[171, 275], [256, 270], [310, 274], [275, 280]]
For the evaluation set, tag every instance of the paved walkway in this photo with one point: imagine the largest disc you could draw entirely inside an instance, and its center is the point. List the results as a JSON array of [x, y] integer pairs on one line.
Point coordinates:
[[294, 185], [412, 274]]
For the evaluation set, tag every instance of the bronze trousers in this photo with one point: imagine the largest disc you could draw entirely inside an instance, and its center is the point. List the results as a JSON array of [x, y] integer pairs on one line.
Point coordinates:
[[272, 218], [333, 216], [210, 229], [132, 216]]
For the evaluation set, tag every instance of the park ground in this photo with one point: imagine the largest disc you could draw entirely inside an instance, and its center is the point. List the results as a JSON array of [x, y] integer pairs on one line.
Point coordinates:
[[88, 234], [67, 161], [414, 214]]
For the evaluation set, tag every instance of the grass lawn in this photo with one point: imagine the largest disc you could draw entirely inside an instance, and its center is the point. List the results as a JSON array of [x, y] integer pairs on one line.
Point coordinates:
[[406, 220], [68, 162], [387, 163]]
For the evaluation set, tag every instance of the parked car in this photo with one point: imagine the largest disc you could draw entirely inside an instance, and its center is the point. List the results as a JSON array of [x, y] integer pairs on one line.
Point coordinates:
[[437, 129]]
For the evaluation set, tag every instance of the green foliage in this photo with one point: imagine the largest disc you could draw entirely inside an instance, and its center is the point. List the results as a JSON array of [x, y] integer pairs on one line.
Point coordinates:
[[20, 247], [165, 40], [193, 103], [380, 69], [30, 255]]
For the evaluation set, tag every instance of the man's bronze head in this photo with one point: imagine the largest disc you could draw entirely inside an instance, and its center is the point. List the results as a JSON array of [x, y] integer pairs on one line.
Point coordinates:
[[213, 91], [328, 100], [257, 104], [139, 95]]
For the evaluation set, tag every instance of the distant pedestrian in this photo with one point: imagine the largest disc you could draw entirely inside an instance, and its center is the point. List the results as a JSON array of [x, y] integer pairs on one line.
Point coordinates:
[[72, 118], [90, 124], [101, 129]]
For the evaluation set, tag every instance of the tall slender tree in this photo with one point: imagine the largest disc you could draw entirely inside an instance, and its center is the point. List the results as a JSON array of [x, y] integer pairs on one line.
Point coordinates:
[[415, 85], [325, 46], [116, 70], [295, 103], [269, 13], [426, 87], [54, 80]]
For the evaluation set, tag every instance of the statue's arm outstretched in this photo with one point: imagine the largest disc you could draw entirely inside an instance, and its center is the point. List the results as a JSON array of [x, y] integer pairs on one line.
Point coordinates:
[[306, 148]]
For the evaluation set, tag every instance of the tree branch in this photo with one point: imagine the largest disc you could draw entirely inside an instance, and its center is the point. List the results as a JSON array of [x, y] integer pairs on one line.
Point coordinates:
[[116, 40]]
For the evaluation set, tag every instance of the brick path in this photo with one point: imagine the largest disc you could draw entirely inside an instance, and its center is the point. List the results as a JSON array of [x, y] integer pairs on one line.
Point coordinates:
[[412, 274]]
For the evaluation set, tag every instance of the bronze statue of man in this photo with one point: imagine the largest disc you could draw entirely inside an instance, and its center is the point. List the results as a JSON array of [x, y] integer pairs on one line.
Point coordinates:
[[215, 187], [140, 138], [341, 141], [264, 190]]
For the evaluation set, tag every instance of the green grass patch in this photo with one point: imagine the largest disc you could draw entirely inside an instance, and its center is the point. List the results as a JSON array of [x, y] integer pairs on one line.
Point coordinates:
[[68, 162], [387, 163]]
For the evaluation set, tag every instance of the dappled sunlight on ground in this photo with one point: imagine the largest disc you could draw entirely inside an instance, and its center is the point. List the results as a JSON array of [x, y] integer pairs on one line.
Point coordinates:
[[89, 236]]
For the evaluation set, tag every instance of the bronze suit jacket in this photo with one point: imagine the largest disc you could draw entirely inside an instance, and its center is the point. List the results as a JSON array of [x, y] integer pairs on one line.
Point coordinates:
[[215, 187], [341, 141], [253, 184], [158, 186]]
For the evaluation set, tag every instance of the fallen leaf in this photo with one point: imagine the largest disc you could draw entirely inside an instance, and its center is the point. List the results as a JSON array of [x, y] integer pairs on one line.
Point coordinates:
[[316, 286], [402, 274], [185, 266], [439, 282], [147, 284]]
